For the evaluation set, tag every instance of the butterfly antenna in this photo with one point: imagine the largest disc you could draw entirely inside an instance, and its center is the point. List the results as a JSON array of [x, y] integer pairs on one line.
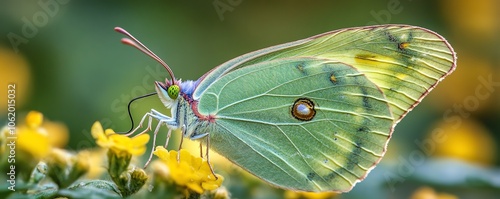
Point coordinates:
[[132, 41]]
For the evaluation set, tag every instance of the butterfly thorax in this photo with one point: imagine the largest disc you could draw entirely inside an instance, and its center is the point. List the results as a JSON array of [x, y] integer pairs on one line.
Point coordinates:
[[195, 125]]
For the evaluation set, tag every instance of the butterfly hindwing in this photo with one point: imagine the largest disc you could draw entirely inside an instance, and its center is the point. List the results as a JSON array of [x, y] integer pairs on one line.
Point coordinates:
[[300, 123]]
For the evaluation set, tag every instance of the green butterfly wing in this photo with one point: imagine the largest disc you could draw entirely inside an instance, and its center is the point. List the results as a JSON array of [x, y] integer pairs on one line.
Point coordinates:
[[256, 129], [361, 81], [405, 62]]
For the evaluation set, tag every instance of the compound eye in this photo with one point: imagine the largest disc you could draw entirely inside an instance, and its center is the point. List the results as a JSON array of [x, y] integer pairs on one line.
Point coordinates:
[[173, 91]]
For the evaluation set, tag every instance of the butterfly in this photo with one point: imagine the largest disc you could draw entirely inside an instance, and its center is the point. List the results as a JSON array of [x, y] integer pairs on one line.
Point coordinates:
[[314, 114]]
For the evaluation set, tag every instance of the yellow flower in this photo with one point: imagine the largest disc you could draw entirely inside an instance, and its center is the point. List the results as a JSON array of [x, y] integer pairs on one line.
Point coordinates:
[[14, 71], [120, 144], [216, 159], [120, 150], [32, 139], [34, 119], [429, 193], [470, 141], [37, 136], [57, 132], [189, 171], [302, 194]]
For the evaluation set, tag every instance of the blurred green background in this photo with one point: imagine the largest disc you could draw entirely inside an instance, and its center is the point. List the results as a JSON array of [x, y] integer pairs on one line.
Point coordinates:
[[69, 64]]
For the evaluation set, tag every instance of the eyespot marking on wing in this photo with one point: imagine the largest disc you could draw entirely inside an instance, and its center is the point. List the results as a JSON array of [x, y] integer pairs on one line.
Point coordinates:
[[303, 109]]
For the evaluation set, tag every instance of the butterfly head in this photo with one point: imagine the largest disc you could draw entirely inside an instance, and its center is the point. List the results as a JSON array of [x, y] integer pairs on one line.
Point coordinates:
[[168, 92]]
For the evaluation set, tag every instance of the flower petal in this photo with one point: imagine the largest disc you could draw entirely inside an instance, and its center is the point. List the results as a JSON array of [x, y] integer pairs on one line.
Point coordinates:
[[32, 142], [162, 153], [137, 150], [140, 140], [195, 187], [109, 132], [97, 131], [189, 171], [34, 119]]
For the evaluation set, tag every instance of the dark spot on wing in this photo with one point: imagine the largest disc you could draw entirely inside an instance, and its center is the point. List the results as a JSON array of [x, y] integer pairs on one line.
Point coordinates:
[[330, 176], [300, 67], [353, 157], [366, 103], [310, 176], [391, 37], [333, 79], [358, 145], [410, 37], [366, 100], [363, 129]]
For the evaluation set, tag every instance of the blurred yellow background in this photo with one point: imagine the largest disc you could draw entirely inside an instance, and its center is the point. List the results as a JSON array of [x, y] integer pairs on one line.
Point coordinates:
[[68, 63]]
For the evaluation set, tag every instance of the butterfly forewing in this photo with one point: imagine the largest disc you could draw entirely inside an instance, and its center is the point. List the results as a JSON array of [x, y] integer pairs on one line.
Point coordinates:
[[406, 62]]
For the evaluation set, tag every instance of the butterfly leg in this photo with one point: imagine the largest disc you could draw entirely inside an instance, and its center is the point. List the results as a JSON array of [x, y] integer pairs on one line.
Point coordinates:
[[180, 147], [154, 144], [140, 125], [170, 122], [208, 157], [201, 150], [205, 135], [168, 138], [162, 119]]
